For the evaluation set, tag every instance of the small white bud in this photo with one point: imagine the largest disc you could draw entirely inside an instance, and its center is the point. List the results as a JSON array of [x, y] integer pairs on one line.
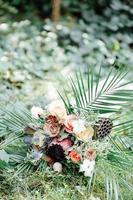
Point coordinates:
[[57, 167]]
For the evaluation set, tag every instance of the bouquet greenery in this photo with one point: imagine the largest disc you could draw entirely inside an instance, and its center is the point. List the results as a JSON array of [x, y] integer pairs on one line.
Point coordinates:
[[87, 134]]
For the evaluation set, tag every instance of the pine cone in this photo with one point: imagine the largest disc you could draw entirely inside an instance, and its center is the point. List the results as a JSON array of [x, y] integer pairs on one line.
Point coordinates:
[[103, 128]]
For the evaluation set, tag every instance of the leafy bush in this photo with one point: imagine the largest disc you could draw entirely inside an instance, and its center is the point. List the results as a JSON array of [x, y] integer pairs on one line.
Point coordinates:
[[43, 7], [33, 49]]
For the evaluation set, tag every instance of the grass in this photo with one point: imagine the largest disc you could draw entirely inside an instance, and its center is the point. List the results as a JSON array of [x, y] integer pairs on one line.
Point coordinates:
[[47, 185], [43, 186]]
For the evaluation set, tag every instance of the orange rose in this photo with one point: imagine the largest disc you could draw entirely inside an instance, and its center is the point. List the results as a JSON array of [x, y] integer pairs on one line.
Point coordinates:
[[68, 123], [75, 157]]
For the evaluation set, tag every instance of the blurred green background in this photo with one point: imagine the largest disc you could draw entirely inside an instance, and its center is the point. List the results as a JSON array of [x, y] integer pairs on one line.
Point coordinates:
[[33, 47]]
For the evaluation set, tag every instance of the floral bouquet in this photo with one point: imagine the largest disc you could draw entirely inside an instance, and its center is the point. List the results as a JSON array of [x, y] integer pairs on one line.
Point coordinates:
[[63, 137], [88, 133]]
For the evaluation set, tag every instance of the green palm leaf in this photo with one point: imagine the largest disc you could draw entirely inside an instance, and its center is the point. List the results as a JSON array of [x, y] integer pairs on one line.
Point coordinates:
[[13, 121], [104, 96]]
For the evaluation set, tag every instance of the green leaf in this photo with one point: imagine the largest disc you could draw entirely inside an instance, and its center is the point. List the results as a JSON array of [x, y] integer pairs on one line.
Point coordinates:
[[104, 96], [3, 164]]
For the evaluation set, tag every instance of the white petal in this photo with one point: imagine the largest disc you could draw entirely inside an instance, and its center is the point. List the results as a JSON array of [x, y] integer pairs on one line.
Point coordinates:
[[87, 167], [36, 111], [78, 125], [88, 173]]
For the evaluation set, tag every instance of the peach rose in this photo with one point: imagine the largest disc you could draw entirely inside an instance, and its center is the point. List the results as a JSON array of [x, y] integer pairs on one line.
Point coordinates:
[[69, 123], [57, 109], [90, 154], [51, 126], [51, 119], [86, 134]]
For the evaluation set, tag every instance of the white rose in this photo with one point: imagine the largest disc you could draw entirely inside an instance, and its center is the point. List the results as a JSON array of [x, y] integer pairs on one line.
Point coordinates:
[[57, 109], [36, 112], [87, 167], [78, 125]]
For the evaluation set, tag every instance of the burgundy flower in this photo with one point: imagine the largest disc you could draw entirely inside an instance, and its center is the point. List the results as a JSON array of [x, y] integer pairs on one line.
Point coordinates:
[[56, 152]]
